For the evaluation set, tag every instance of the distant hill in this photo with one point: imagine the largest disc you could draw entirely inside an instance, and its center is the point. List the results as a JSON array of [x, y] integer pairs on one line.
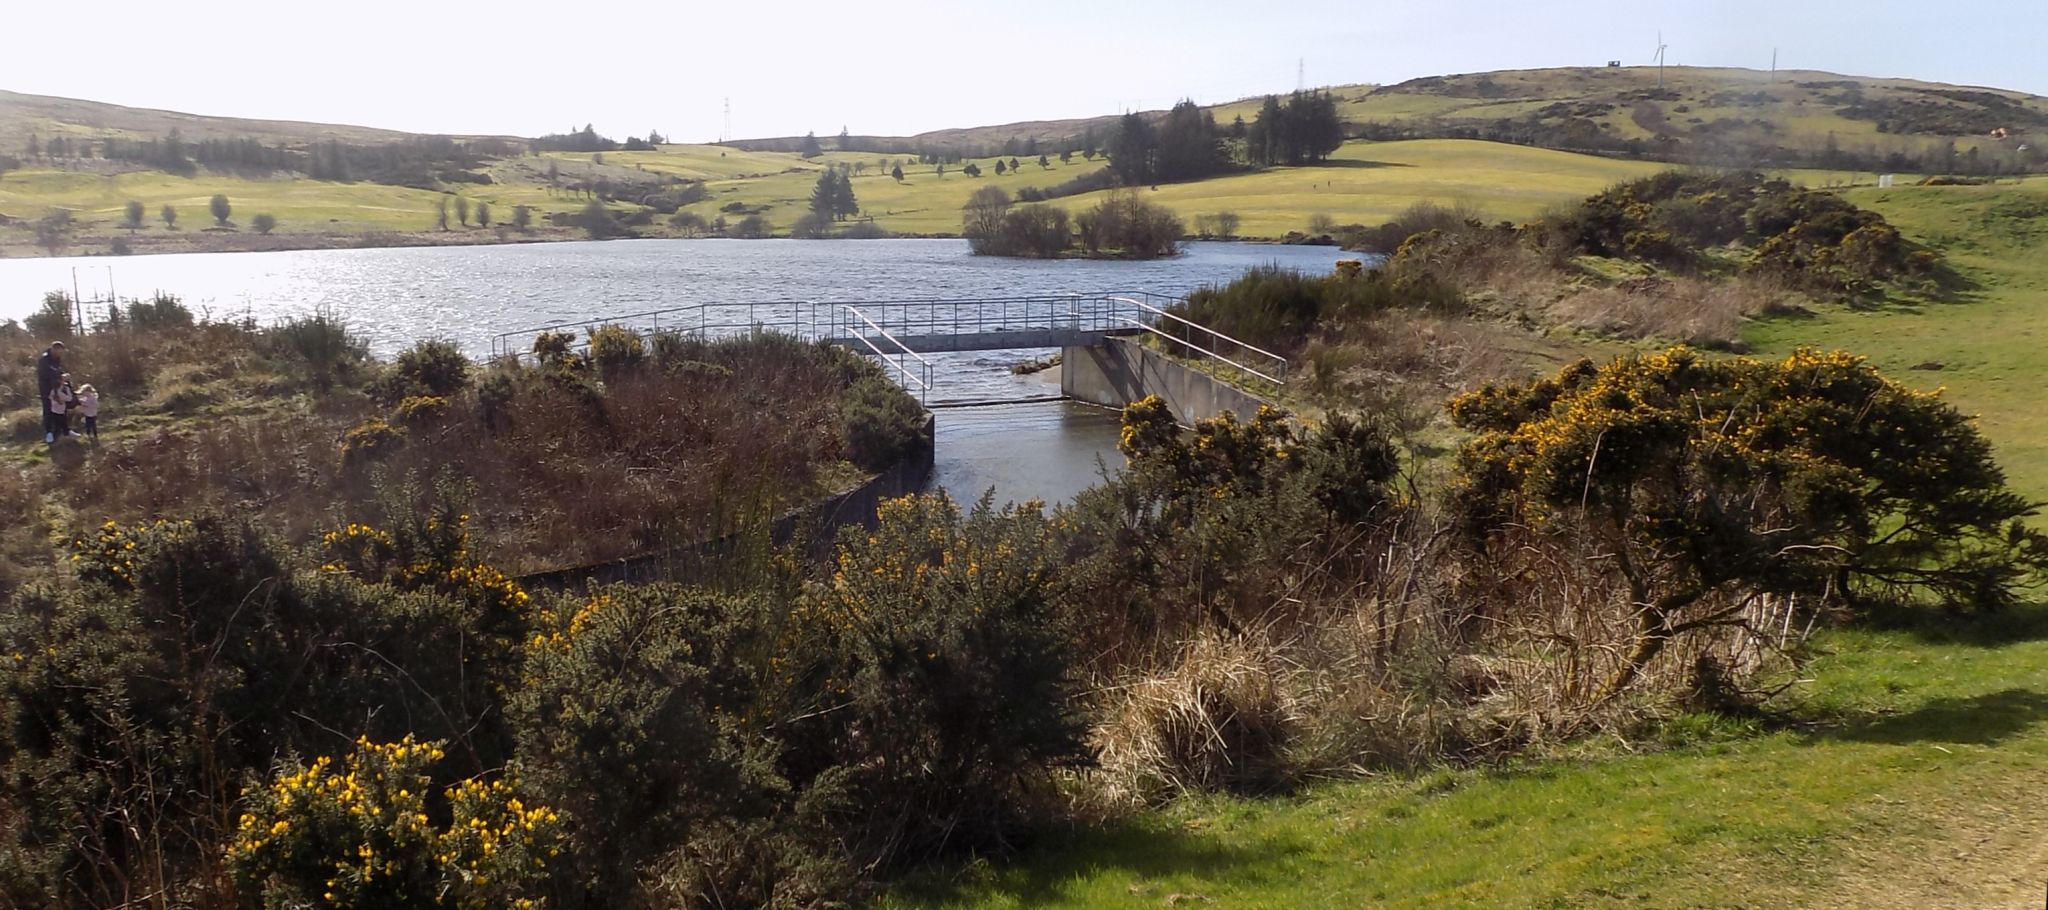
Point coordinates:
[[1705, 115], [45, 116]]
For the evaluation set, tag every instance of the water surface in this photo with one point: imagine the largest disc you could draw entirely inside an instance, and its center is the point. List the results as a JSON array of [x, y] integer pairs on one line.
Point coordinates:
[[468, 294]]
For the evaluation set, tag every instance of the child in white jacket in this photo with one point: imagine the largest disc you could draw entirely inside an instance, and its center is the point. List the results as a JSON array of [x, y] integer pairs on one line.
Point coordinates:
[[89, 408]]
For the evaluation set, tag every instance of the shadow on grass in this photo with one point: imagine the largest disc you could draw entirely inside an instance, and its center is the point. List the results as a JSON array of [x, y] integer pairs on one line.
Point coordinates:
[[1143, 857], [1930, 625], [1979, 720], [1357, 163]]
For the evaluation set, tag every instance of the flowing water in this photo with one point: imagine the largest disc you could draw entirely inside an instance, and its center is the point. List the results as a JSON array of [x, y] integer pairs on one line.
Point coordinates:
[[468, 294]]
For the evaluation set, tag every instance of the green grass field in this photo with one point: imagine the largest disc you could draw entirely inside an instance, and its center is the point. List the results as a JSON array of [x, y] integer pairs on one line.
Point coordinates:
[[1365, 182], [301, 206], [1906, 754], [1988, 344]]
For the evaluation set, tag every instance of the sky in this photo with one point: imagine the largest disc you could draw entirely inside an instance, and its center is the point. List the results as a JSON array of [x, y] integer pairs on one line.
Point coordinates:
[[902, 67]]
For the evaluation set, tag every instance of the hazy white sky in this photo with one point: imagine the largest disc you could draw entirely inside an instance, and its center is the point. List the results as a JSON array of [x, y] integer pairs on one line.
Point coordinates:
[[793, 66]]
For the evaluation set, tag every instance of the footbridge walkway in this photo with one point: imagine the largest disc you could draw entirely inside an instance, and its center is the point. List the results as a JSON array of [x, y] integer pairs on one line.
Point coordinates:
[[902, 332]]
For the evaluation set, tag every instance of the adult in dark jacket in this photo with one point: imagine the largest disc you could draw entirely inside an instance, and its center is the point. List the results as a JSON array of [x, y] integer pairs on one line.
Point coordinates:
[[49, 375]]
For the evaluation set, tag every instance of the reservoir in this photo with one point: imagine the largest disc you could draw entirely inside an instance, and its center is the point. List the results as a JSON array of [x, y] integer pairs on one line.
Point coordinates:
[[467, 294]]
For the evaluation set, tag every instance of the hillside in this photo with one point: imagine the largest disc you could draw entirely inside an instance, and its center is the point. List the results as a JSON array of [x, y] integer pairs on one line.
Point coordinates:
[[1699, 113], [330, 185], [45, 116]]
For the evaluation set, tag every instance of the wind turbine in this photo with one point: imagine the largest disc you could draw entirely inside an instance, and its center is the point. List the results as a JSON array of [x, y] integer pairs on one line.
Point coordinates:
[[1661, 47]]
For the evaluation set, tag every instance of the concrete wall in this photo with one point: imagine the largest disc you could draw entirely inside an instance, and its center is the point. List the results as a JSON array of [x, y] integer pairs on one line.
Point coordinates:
[[817, 524], [1121, 371]]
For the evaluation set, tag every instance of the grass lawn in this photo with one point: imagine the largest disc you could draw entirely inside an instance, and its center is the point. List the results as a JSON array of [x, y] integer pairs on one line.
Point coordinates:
[[1988, 344], [1365, 182], [301, 206], [1907, 757]]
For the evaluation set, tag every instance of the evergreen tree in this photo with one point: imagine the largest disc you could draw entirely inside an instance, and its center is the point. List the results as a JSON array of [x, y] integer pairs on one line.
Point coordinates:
[[846, 205], [1001, 167], [133, 222], [1133, 151], [170, 216], [220, 208], [897, 173], [810, 147]]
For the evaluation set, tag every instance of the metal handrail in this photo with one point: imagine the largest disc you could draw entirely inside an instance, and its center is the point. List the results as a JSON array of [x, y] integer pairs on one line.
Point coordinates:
[[1186, 343], [895, 320], [1276, 358], [924, 384]]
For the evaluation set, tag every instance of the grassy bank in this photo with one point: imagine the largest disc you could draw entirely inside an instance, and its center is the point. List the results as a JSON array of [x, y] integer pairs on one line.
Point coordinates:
[[1895, 780], [1985, 347]]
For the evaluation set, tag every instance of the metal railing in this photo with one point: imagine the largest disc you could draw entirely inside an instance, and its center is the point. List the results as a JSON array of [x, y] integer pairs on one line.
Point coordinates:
[[1273, 363], [698, 320], [892, 329], [920, 377]]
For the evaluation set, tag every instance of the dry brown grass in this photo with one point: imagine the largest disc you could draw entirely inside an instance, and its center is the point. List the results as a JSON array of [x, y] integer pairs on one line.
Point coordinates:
[[573, 472], [1703, 312], [1218, 719]]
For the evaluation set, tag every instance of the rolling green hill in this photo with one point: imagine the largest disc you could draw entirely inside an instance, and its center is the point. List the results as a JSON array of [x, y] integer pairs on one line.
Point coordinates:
[[1822, 120]]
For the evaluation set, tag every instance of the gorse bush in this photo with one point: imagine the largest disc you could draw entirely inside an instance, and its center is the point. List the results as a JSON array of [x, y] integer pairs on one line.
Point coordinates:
[[1716, 482], [361, 835], [369, 441], [1279, 309], [926, 684], [627, 712], [1809, 239], [434, 367], [616, 350], [190, 653]]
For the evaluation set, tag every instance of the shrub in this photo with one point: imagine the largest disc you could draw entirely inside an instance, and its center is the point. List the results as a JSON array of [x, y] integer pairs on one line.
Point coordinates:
[[320, 346], [554, 348], [360, 835], [1127, 226], [616, 350], [435, 367], [810, 226], [1719, 481], [160, 312], [421, 411], [369, 441], [620, 717], [881, 424], [494, 396], [53, 321], [925, 691], [752, 227], [191, 653]]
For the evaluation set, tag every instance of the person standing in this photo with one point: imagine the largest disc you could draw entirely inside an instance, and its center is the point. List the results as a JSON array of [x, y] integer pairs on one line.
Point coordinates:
[[61, 403], [89, 408], [49, 374]]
